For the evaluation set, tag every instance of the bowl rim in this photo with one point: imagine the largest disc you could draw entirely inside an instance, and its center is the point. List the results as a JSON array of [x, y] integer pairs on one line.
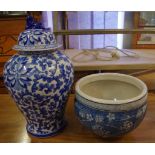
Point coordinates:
[[111, 102]]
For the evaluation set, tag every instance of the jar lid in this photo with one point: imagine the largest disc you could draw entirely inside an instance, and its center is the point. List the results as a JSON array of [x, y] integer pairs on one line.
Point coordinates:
[[36, 40]]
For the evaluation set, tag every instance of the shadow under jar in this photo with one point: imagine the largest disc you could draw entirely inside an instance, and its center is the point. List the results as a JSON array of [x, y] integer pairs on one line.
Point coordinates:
[[110, 104]]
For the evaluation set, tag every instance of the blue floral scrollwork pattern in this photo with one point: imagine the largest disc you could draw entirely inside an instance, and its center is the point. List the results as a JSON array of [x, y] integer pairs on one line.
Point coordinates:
[[40, 83]]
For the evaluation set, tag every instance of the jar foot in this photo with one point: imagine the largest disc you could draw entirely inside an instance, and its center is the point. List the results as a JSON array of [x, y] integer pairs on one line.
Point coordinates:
[[47, 133]]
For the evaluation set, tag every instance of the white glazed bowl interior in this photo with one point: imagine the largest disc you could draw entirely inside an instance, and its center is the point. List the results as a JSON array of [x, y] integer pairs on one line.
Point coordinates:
[[111, 88]]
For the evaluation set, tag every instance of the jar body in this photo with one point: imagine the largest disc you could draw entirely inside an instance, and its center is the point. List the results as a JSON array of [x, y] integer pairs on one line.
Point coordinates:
[[40, 84]]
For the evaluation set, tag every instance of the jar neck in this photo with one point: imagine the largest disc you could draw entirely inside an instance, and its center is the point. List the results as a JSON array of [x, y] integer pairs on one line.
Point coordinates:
[[35, 52]]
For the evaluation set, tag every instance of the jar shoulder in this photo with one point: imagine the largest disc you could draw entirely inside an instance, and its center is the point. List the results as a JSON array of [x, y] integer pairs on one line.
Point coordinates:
[[49, 59], [45, 65]]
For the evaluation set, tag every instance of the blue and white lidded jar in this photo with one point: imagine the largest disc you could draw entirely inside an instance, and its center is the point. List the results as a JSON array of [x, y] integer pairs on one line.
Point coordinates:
[[39, 79]]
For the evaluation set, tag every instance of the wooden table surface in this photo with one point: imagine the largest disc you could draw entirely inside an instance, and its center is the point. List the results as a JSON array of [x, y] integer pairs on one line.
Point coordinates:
[[12, 126]]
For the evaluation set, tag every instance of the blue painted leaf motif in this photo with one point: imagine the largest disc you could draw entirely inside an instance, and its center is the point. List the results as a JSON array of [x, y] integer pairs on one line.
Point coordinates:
[[42, 38], [39, 84], [34, 87], [31, 40], [22, 82], [24, 41], [12, 82], [36, 38]]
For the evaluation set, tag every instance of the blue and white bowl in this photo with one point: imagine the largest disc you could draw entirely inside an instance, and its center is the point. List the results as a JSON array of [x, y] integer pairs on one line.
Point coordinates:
[[36, 40], [110, 104]]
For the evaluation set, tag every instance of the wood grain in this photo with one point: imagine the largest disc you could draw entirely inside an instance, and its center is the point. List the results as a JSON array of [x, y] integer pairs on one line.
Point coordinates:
[[12, 25], [12, 126], [104, 31]]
